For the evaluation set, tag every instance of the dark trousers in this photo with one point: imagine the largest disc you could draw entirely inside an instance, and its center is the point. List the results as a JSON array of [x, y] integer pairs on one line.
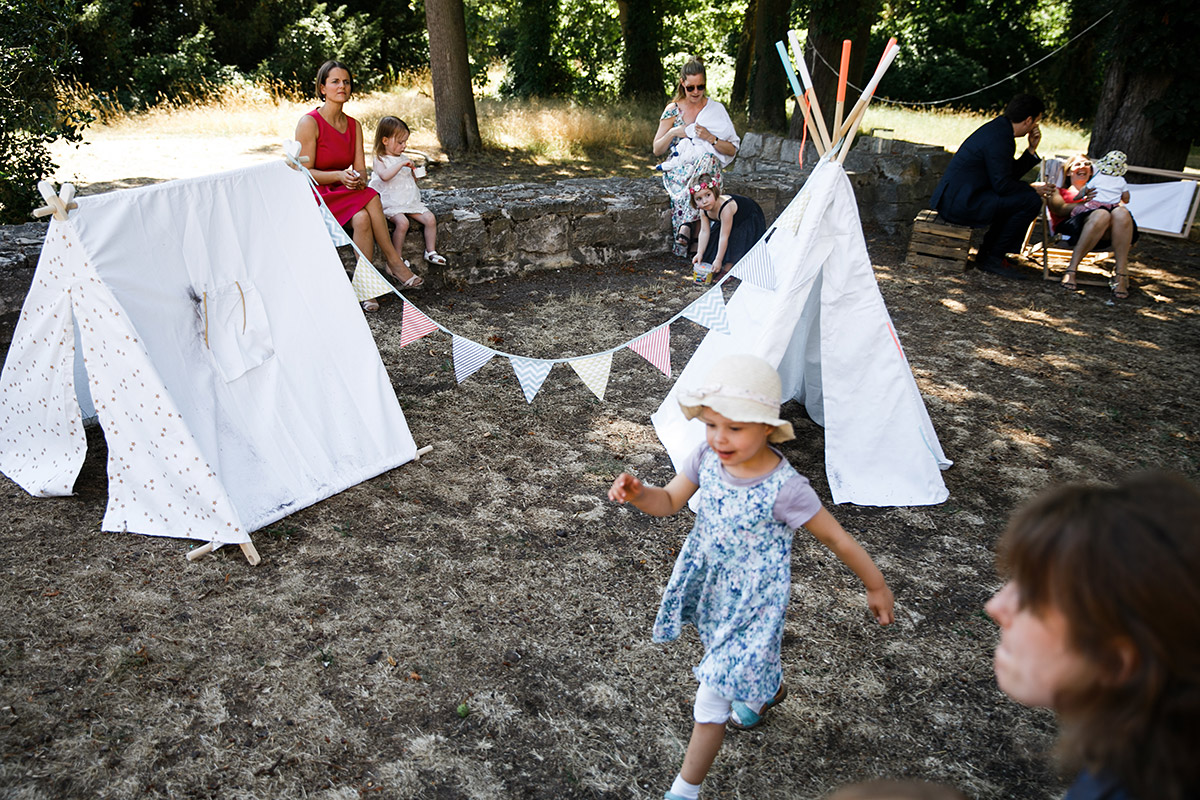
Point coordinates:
[[1011, 219]]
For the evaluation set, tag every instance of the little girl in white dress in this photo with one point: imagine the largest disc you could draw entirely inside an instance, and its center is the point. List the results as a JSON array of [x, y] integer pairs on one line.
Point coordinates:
[[393, 176]]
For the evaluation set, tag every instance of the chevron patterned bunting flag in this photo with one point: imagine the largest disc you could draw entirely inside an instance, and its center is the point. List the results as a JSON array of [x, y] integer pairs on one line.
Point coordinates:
[[791, 216], [469, 357], [593, 371], [367, 281], [414, 324], [336, 232], [709, 310], [531, 374], [756, 267], [655, 347]]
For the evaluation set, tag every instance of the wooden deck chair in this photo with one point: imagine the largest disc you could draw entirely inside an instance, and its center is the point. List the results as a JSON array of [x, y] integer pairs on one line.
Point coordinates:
[[1053, 248]]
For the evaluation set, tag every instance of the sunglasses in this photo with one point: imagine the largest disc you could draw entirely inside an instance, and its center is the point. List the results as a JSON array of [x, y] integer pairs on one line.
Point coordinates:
[[699, 87]]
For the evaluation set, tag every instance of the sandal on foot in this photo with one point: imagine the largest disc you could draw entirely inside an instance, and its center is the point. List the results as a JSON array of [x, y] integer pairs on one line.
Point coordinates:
[[743, 717], [434, 257], [682, 240], [673, 796], [370, 305], [1115, 284], [415, 282]]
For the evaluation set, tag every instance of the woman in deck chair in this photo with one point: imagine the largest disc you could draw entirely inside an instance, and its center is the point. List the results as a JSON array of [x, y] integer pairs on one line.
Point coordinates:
[[1086, 230]]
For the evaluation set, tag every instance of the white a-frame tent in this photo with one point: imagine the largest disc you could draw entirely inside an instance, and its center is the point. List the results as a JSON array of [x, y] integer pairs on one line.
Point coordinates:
[[808, 303], [211, 324]]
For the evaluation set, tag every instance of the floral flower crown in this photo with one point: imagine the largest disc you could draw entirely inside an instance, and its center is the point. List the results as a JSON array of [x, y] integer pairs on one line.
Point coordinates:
[[710, 185]]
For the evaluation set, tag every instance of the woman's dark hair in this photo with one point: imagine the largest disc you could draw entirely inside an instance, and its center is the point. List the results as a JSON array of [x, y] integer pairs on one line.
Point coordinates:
[[388, 126], [1122, 563], [323, 74], [693, 66]]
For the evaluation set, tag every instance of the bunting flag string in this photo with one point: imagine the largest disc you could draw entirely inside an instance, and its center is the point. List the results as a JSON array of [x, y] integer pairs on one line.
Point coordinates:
[[367, 281], [414, 324], [655, 347], [756, 266], [593, 371], [469, 356], [531, 374], [709, 310]]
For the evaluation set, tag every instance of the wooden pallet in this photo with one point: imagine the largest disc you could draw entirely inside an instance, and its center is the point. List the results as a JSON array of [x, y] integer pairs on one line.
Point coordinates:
[[937, 243]]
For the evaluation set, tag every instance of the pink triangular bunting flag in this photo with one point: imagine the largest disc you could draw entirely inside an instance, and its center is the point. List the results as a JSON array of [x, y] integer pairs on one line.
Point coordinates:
[[655, 347], [414, 324]]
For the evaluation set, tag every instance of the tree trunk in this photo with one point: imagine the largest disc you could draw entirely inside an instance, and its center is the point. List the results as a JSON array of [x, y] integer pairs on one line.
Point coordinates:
[[641, 31], [741, 67], [453, 102], [827, 28], [1121, 122], [768, 83]]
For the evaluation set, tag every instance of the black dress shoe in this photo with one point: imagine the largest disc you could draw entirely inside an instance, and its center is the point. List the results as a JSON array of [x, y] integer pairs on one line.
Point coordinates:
[[998, 265]]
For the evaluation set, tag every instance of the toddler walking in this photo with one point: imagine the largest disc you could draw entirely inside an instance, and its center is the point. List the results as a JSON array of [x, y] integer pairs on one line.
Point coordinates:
[[732, 579], [394, 178]]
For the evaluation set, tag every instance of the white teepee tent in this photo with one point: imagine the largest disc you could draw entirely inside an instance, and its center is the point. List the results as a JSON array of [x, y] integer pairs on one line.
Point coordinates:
[[231, 369], [808, 303]]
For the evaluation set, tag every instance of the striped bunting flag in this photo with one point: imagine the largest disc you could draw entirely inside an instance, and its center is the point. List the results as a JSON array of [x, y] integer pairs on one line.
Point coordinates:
[[531, 374], [593, 371], [655, 347], [367, 281], [469, 357], [709, 310], [336, 232], [414, 324], [756, 266]]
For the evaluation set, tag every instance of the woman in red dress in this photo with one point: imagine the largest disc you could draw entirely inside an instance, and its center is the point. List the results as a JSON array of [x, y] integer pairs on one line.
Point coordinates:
[[333, 143]]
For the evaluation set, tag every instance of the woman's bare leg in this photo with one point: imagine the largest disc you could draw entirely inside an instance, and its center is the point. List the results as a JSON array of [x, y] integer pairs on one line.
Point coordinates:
[[1094, 228], [379, 230], [1122, 238]]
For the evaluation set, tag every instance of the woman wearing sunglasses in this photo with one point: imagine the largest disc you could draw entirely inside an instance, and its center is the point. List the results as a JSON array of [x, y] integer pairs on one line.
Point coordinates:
[[692, 115]]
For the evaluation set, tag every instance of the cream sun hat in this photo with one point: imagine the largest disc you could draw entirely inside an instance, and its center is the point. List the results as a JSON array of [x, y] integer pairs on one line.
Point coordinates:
[[744, 389], [1113, 163]]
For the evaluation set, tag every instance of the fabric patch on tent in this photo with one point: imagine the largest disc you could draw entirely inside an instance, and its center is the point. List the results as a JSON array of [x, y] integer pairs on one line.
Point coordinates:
[[655, 347], [414, 324], [709, 310], [531, 374], [594, 372], [792, 215], [236, 330], [469, 357], [367, 281]]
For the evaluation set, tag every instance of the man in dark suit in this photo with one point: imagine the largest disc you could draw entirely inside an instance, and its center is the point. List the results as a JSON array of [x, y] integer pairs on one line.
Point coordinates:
[[982, 187]]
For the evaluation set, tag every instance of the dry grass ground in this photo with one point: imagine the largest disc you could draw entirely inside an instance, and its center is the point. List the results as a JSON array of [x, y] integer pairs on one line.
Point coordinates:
[[476, 624]]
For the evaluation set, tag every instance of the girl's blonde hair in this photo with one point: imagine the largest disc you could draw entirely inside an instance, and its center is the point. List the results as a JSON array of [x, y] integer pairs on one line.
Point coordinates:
[[388, 127]]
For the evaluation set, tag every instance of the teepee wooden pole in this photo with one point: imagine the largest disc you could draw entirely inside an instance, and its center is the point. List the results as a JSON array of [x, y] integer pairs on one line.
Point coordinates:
[[889, 55], [798, 56], [843, 74], [799, 95]]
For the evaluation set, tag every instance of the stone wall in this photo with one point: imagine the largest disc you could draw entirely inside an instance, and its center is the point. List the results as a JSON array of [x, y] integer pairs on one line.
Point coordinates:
[[502, 230]]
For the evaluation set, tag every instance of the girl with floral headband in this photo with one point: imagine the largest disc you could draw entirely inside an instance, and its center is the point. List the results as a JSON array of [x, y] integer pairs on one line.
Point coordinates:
[[732, 579], [737, 226]]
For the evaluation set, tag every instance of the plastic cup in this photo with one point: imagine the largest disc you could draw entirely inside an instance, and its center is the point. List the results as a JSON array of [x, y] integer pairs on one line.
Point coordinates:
[[702, 272], [418, 172]]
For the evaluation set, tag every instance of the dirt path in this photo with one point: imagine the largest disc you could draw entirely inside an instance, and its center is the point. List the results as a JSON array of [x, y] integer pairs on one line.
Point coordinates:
[[491, 579]]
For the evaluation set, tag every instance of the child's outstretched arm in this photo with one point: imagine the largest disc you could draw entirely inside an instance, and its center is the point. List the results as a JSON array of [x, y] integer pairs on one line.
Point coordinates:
[[727, 212], [387, 173], [655, 501], [702, 239], [831, 534]]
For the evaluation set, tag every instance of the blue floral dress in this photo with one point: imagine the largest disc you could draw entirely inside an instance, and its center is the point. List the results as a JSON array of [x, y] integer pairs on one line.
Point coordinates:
[[677, 181], [732, 581]]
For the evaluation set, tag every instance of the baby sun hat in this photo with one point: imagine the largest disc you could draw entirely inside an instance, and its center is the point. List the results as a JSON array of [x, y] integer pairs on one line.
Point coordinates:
[[744, 389], [1113, 163]]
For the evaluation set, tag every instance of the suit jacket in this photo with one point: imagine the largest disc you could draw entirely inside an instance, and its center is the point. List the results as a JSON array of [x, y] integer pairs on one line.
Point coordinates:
[[981, 172]]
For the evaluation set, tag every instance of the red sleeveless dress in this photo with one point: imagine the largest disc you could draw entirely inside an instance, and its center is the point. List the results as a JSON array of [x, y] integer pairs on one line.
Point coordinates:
[[336, 151]]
